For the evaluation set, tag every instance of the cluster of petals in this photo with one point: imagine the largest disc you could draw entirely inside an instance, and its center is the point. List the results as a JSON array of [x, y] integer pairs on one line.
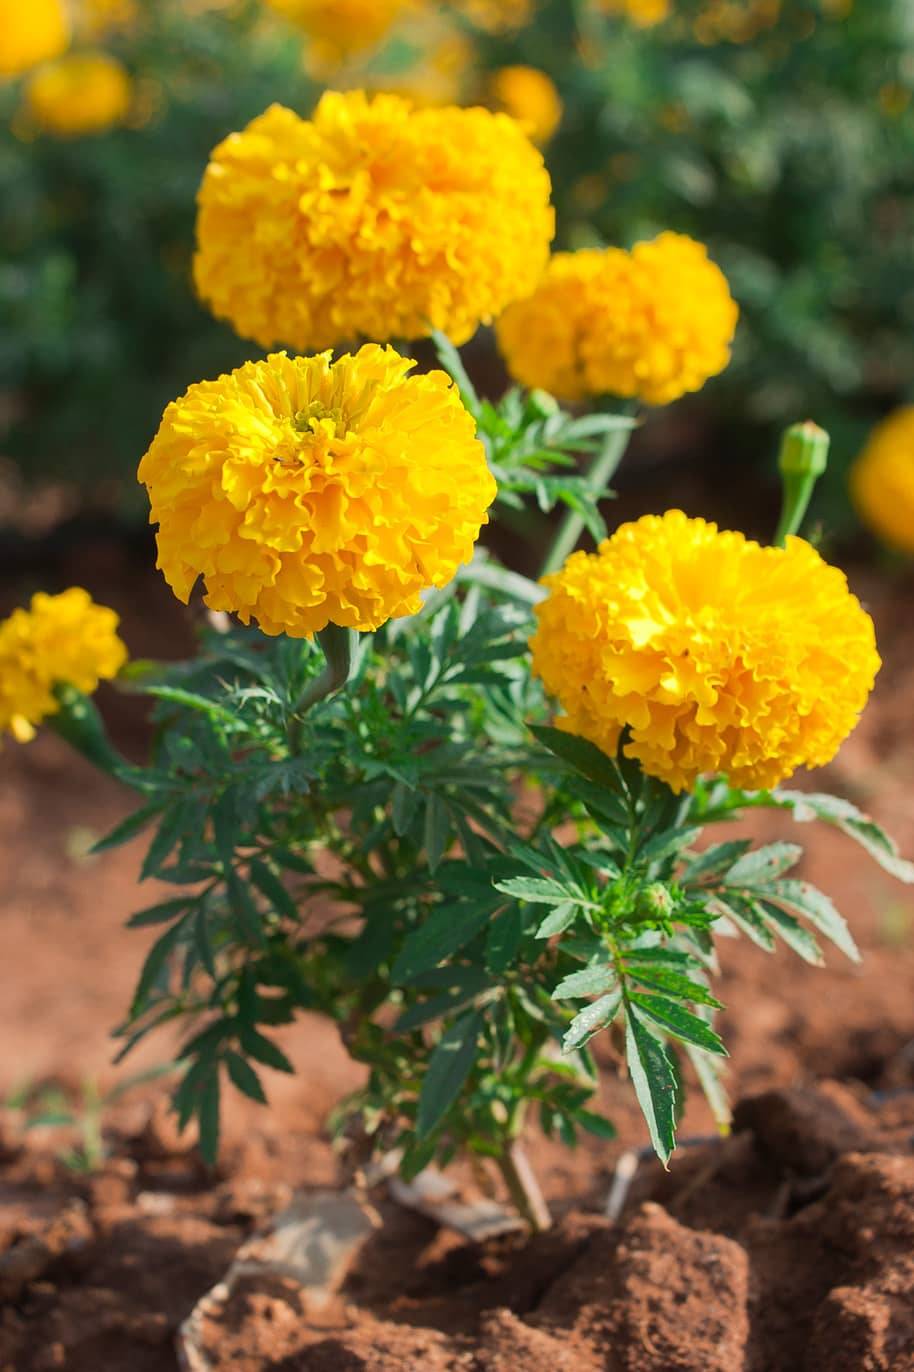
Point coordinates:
[[60, 640], [717, 655], [882, 480], [340, 28], [371, 220], [308, 492], [530, 97], [31, 31], [80, 93], [650, 324]]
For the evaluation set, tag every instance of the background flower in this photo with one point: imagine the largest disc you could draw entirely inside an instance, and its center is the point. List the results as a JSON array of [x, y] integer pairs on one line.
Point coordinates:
[[530, 97], [307, 492], [374, 220], [31, 31], [342, 27], [882, 480], [80, 93], [718, 654], [60, 640]]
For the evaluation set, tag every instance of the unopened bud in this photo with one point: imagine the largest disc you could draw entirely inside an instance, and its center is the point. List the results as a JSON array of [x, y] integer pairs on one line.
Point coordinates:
[[541, 405], [655, 901], [804, 450]]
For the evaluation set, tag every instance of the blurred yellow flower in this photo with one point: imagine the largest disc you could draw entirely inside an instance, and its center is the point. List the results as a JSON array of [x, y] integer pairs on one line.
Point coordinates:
[[645, 13], [97, 18], [735, 21], [80, 93], [651, 324], [719, 655], [372, 220], [495, 16], [530, 97], [307, 492], [882, 480], [61, 640], [541, 337], [339, 28], [31, 31]]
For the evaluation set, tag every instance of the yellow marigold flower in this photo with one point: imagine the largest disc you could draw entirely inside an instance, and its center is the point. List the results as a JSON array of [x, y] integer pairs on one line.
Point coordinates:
[[373, 220], [495, 16], [541, 337], [644, 13], [342, 27], [31, 31], [61, 640], [307, 492], [530, 97], [882, 480], [652, 323], [80, 93], [98, 18], [720, 656]]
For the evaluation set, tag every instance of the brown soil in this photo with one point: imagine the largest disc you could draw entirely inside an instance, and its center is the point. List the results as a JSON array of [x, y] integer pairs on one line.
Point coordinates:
[[788, 1246]]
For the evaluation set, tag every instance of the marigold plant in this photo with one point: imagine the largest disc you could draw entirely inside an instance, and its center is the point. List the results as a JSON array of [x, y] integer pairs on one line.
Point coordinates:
[[80, 93], [307, 492], [30, 33], [713, 653], [650, 324], [882, 480], [530, 97], [61, 640], [373, 219]]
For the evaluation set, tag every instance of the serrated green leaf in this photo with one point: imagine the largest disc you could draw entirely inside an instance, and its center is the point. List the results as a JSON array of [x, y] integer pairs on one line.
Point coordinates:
[[175, 695], [667, 843], [156, 961], [583, 756], [794, 934], [503, 939], [244, 1077], [819, 910], [674, 984], [675, 1019], [127, 829], [853, 822], [589, 982], [270, 885], [404, 804], [591, 1020], [747, 916], [445, 931], [448, 1069], [654, 1079], [452, 363], [161, 913], [263, 1050], [763, 865], [561, 918], [539, 891], [595, 1124], [715, 860], [175, 821], [708, 1068]]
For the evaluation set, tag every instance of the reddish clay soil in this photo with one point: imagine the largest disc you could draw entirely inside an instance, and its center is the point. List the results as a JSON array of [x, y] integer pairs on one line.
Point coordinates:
[[789, 1246]]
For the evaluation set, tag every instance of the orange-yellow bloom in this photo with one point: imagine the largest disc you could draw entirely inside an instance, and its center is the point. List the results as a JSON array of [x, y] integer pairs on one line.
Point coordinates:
[[882, 480], [307, 492], [718, 655], [650, 324], [31, 31], [530, 97], [373, 220], [643, 13], [60, 640], [340, 28], [80, 93]]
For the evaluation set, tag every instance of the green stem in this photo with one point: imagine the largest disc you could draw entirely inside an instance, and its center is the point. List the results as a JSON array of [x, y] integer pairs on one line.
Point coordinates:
[[338, 647], [523, 1187], [802, 460], [601, 473]]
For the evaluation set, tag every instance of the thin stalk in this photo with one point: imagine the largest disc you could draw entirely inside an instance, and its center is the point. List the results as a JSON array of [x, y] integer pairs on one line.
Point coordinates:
[[601, 473], [338, 647], [523, 1187]]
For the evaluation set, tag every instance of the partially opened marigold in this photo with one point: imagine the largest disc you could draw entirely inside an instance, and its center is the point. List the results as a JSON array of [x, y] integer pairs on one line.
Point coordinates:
[[31, 31], [60, 640], [882, 480], [719, 655], [372, 220], [307, 492], [650, 324], [81, 93]]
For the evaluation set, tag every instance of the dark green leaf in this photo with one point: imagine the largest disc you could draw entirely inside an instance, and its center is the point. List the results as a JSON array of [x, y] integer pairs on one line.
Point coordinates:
[[161, 913], [127, 829], [445, 931], [447, 1071], [589, 982], [716, 859], [595, 1124], [263, 1050], [674, 984], [244, 1077], [591, 1020], [274, 889], [558, 921], [819, 910], [794, 934], [679, 1022], [654, 1079], [503, 939], [437, 830], [584, 757], [538, 891], [208, 1116], [155, 964], [762, 865]]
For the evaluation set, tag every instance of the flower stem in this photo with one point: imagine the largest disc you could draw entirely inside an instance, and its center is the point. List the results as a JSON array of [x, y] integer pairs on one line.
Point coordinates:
[[338, 646], [523, 1187], [601, 473], [803, 459]]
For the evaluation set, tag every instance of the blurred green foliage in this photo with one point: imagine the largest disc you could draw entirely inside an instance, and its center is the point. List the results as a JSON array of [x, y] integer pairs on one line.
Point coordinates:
[[791, 155]]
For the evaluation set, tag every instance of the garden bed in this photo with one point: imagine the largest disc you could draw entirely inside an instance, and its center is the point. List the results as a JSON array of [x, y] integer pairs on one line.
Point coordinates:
[[785, 1247]]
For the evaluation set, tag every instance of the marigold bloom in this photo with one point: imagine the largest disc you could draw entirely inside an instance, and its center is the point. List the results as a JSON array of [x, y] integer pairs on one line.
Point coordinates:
[[343, 27], [80, 93], [373, 220], [720, 656], [530, 97], [31, 31], [61, 640], [644, 13], [495, 16], [882, 480], [307, 492], [652, 323]]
